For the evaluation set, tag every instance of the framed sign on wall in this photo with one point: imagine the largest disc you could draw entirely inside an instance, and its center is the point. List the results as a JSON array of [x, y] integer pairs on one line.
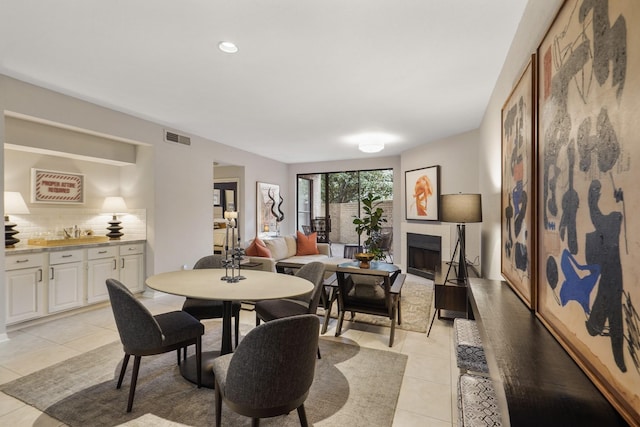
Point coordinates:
[[56, 187]]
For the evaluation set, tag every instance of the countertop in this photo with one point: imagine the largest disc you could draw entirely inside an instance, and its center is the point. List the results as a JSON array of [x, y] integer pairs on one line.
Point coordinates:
[[31, 249]]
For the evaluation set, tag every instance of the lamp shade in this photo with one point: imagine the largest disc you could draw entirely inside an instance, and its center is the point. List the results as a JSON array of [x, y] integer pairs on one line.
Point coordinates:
[[461, 208], [114, 205], [14, 203]]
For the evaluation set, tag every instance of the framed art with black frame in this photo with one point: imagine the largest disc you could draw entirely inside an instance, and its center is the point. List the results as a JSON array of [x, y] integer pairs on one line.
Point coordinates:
[[422, 194]]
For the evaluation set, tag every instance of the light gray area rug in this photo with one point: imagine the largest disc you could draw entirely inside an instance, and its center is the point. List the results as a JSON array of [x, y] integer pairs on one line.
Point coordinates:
[[353, 386], [416, 302]]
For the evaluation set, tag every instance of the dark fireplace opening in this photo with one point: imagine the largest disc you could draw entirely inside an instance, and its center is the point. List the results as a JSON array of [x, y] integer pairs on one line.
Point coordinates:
[[423, 254]]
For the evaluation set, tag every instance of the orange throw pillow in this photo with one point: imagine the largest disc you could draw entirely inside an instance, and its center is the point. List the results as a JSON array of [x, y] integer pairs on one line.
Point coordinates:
[[306, 245], [258, 248]]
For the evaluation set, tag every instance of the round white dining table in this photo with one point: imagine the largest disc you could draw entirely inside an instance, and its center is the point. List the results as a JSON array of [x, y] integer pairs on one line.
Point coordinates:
[[207, 284]]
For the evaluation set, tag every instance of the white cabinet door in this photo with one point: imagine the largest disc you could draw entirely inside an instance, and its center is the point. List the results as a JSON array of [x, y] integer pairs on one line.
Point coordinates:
[[102, 264], [132, 272], [65, 286], [132, 266], [23, 294], [66, 281], [98, 271]]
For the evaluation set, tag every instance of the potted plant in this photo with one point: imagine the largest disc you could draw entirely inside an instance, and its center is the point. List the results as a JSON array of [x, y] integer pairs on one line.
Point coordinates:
[[371, 224]]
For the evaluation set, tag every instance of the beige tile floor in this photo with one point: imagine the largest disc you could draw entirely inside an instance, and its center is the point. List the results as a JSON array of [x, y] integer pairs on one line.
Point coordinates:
[[427, 395]]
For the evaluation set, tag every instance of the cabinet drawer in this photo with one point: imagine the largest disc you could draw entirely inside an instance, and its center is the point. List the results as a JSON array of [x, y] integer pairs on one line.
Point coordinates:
[[64, 257], [15, 262], [134, 249], [102, 252]]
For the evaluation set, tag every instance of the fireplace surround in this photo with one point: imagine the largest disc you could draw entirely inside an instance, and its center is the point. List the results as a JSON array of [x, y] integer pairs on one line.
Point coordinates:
[[424, 254]]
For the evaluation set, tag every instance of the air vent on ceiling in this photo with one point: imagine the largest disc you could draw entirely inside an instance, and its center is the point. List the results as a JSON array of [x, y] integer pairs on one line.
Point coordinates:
[[174, 137]]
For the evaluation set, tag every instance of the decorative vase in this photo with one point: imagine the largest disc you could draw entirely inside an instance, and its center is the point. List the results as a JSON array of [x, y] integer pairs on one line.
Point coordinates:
[[365, 259]]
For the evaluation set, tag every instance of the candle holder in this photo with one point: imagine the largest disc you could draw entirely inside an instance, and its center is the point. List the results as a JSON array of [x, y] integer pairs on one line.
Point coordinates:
[[234, 254]]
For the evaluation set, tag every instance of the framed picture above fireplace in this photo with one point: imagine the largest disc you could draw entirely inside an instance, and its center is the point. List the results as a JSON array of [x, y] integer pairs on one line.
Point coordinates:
[[422, 188]]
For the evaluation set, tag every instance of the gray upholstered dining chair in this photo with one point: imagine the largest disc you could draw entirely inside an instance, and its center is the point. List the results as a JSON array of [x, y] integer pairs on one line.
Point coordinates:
[[211, 309], [267, 310], [271, 371], [143, 334]]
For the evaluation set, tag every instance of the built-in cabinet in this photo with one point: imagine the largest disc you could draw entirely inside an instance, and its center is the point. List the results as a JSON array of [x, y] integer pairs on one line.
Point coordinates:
[[48, 282], [66, 281], [102, 264], [132, 266], [24, 287]]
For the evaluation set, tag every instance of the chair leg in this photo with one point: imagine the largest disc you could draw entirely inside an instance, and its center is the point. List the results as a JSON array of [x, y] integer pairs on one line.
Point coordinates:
[[303, 416], [257, 320], [255, 422], [134, 381], [319, 357], [218, 405], [393, 330], [199, 360], [125, 362], [178, 352], [237, 328], [327, 313], [339, 326], [399, 317]]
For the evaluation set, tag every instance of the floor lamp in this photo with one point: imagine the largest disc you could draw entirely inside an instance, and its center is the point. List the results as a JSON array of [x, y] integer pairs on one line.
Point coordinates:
[[460, 209]]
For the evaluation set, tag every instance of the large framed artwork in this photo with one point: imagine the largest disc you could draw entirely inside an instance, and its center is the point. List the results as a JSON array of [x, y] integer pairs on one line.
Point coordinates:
[[518, 194], [56, 187], [269, 209], [422, 193], [588, 172]]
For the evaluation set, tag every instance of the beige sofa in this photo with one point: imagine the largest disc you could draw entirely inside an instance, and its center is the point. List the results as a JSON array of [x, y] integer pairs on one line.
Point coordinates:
[[283, 249]]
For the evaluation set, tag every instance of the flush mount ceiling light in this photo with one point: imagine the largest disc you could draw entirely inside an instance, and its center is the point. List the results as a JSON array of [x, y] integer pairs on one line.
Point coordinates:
[[371, 146], [371, 142], [228, 47]]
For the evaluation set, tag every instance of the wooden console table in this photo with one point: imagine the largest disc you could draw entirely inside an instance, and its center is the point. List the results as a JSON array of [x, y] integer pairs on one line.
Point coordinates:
[[536, 381]]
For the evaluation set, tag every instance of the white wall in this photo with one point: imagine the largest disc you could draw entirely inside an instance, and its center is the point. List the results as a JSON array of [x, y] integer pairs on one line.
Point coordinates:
[[471, 162], [458, 160], [172, 182], [3, 313], [536, 20]]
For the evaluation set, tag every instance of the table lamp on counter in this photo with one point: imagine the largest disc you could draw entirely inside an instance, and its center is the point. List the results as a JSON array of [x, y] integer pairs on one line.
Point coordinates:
[[115, 206], [13, 204]]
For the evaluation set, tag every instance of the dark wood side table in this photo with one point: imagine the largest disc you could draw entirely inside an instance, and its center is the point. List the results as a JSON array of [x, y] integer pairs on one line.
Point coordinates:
[[450, 296]]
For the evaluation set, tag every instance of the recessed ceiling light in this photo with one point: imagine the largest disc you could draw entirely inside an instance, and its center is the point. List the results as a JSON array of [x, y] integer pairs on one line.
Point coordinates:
[[227, 47]]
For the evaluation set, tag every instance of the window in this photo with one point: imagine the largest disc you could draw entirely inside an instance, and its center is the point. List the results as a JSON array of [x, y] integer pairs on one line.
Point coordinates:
[[337, 195]]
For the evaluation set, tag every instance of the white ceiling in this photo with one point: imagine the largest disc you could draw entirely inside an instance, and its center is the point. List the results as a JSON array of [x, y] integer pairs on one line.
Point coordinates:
[[308, 75]]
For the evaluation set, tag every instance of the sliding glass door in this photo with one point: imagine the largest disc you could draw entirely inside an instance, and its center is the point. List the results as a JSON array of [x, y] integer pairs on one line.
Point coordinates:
[[334, 197]]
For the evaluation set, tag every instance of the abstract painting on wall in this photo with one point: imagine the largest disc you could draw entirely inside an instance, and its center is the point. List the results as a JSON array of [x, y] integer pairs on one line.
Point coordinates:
[[588, 173], [518, 234], [269, 209], [422, 193]]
